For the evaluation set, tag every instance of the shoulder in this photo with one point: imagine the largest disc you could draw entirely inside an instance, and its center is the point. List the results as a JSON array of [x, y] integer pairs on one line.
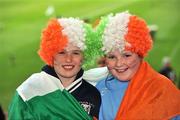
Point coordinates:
[[156, 78], [162, 83], [38, 84], [95, 74], [101, 84], [160, 79], [31, 82], [18, 109], [89, 86]]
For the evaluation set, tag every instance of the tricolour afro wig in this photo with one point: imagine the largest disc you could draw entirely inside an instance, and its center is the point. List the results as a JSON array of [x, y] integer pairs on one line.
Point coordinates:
[[58, 34], [126, 32]]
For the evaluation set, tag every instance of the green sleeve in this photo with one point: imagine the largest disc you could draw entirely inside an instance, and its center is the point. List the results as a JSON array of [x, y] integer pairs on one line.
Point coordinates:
[[18, 109]]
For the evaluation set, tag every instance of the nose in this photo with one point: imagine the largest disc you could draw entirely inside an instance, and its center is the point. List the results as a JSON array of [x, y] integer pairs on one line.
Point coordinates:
[[68, 58], [120, 61]]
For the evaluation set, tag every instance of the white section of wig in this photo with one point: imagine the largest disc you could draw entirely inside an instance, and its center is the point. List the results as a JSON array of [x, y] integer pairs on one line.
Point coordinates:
[[116, 29], [74, 30]]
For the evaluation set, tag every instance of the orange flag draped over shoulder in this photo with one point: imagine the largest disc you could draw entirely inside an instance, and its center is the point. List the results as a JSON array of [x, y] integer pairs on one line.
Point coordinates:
[[149, 96]]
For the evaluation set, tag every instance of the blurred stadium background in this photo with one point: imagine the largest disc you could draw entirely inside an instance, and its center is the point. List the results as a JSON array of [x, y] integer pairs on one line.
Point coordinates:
[[21, 22]]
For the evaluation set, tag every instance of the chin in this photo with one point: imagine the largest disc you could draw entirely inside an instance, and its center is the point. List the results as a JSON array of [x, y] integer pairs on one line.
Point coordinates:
[[123, 78], [69, 75]]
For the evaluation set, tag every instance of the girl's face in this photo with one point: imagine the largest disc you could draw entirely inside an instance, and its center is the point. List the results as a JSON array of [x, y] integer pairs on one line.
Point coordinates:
[[124, 65], [67, 63]]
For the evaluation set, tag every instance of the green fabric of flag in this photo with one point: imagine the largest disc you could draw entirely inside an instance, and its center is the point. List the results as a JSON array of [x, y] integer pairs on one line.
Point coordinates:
[[42, 97], [59, 105]]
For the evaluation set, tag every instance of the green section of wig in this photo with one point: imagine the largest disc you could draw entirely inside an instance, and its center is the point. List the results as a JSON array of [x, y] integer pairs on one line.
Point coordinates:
[[94, 43]]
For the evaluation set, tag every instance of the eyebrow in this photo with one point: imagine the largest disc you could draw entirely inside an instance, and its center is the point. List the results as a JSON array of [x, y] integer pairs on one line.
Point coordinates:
[[76, 50], [72, 51]]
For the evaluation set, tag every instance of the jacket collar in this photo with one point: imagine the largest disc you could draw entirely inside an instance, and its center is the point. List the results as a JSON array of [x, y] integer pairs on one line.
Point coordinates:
[[77, 82]]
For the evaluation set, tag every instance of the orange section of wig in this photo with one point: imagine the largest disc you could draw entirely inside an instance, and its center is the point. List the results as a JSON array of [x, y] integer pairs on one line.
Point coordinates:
[[52, 41], [138, 36]]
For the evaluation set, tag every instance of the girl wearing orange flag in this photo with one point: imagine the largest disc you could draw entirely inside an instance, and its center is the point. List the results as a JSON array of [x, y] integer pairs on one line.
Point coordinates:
[[133, 90]]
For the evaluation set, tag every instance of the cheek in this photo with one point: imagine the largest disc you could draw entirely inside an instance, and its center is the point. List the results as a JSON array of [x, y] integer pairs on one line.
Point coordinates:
[[134, 63], [56, 64], [78, 61], [56, 61], [130, 63], [110, 64]]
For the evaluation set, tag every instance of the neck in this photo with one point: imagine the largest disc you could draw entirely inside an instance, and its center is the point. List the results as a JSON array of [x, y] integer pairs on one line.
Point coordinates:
[[66, 81]]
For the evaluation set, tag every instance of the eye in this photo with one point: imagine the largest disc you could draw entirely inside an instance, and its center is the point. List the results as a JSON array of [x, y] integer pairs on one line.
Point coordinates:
[[127, 55], [62, 52], [76, 52], [111, 57]]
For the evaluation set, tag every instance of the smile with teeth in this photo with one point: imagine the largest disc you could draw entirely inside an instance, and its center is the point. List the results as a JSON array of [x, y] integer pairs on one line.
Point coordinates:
[[121, 70], [68, 67]]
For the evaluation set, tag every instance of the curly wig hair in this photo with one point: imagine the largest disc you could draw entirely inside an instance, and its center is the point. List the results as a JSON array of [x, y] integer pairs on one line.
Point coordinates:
[[58, 34], [127, 32], [52, 41], [138, 36]]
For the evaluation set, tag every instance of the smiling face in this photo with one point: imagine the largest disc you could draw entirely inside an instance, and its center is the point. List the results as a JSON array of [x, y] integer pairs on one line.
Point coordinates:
[[67, 63], [124, 65]]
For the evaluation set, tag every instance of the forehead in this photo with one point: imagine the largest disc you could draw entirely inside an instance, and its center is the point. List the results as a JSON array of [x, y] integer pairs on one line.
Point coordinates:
[[118, 52], [72, 47]]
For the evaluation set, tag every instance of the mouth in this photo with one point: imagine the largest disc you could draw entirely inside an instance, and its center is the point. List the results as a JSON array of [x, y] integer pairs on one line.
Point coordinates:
[[121, 70], [68, 67]]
